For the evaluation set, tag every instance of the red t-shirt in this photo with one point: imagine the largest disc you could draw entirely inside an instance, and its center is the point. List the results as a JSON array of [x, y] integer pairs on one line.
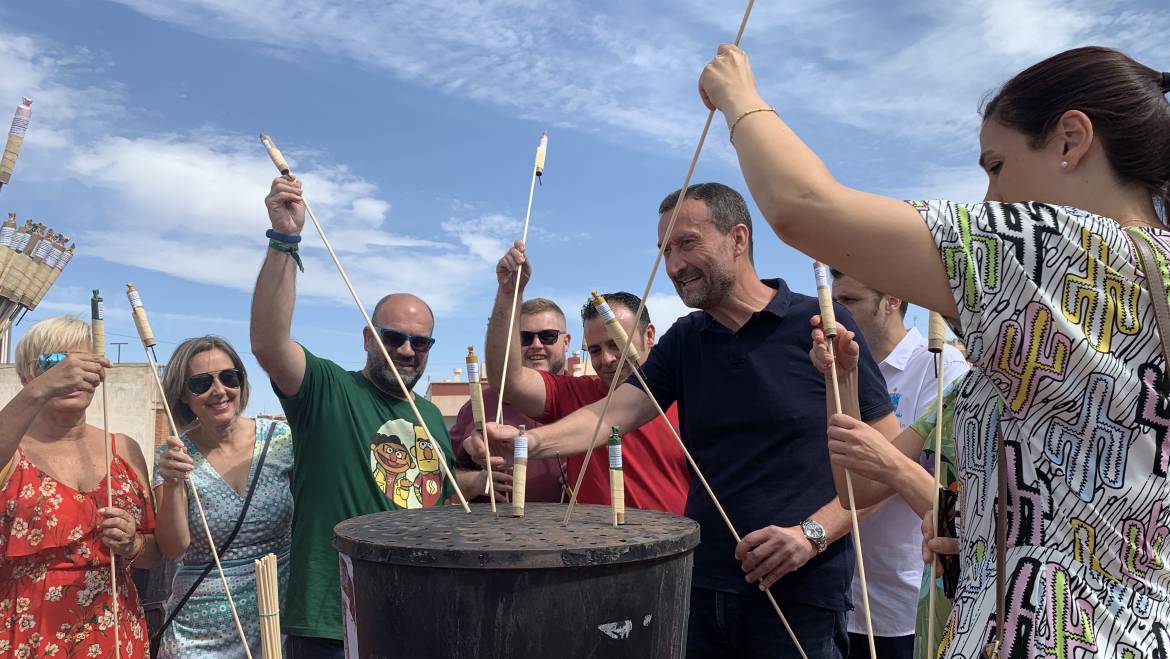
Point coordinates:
[[543, 482], [655, 470]]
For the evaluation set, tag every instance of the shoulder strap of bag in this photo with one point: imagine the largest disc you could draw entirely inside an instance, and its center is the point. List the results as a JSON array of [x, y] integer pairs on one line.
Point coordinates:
[[1157, 288], [226, 543]]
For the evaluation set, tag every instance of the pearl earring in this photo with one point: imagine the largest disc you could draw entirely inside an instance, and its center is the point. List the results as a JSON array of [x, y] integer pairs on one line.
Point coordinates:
[[1064, 164]]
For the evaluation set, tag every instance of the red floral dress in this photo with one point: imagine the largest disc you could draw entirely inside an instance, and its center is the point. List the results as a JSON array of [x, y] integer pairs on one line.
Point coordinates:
[[55, 571]]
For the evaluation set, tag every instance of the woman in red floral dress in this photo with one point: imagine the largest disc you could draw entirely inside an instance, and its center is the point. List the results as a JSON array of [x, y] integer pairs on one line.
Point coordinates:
[[56, 533]]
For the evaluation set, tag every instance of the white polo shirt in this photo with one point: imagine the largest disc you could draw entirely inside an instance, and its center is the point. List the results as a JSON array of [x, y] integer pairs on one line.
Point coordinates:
[[891, 538]]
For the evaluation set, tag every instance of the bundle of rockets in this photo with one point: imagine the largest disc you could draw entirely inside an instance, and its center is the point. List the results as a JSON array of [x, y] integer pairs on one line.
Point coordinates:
[[32, 256]]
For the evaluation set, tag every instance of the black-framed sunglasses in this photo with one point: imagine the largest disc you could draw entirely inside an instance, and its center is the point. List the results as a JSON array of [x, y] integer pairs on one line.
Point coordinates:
[[200, 384], [547, 337], [394, 339]]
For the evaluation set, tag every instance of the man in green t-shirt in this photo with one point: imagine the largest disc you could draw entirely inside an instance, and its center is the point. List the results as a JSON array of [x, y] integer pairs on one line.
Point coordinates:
[[357, 447]]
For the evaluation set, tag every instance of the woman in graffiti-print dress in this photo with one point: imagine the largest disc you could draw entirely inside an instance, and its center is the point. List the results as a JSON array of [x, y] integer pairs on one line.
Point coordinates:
[[1044, 283]]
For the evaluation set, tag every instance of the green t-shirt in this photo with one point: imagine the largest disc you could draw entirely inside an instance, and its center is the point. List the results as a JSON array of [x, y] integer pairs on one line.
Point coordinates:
[[356, 451]]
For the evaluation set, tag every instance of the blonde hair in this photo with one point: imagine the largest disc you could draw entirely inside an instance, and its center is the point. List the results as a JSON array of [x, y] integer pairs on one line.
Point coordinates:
[[57, 334], [176, 374]]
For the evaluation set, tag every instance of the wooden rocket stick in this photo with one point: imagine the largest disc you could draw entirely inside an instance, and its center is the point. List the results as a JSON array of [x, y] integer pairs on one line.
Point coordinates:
[[142, 323], [617, 487], [282, 166], [618, 335], [268, 605], [747, 12], [537, 170], [519, 472], [15, 139], [97, 325], [829, 326], [715, 500], [936, 338], [479, 415]]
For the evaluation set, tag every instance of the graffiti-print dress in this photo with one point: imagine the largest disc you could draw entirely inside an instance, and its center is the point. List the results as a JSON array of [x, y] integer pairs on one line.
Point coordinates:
[[55, 571], [1060, 328]]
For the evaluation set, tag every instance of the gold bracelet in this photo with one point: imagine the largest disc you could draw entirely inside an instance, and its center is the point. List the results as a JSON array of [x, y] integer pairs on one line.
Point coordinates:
[[731, 133]]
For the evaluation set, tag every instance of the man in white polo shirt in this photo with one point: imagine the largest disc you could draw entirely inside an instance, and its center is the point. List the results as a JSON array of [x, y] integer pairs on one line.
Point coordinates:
[[891, 533]]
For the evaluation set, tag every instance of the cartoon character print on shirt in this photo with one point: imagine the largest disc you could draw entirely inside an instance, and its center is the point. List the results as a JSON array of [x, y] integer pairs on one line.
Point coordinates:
[[404, 462], [428, 484], [390, 461]]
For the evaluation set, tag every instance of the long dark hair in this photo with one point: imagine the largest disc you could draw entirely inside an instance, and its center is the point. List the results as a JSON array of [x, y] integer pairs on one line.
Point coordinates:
[[1125, 100]]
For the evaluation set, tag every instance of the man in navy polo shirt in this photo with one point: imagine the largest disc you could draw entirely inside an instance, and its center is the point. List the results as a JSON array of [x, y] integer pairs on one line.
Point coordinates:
[[752, 412]]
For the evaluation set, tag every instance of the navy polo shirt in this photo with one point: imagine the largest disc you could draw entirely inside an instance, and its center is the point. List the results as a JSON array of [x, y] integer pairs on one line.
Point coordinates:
[[751, 409]]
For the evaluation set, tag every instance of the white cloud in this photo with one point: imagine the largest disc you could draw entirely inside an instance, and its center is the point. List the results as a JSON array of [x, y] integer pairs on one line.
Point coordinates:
[[924, 82], [553, 59], [665, 308], [911, 70], [168, 200], [62, 106]]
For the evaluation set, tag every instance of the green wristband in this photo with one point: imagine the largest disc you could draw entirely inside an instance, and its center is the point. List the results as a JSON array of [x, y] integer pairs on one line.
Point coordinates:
[[291, 250]]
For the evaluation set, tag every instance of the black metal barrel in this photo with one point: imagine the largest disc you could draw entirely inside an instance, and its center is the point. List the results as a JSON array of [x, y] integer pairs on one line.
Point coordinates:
[[444, 583]]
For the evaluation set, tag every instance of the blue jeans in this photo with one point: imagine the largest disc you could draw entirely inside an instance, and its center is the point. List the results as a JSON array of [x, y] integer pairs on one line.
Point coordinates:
[[308, 647], [746, 627]]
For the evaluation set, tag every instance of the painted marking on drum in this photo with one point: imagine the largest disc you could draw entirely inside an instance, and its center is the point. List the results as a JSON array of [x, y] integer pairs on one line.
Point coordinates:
[[646, 620], [617, 630]]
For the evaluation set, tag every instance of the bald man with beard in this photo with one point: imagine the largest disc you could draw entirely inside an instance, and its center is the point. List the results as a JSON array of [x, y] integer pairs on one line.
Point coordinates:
[[336, 418]]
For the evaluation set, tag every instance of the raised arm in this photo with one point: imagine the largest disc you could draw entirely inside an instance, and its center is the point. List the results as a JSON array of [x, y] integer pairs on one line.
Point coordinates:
[[276, 289], [881, 241], [524, 388]]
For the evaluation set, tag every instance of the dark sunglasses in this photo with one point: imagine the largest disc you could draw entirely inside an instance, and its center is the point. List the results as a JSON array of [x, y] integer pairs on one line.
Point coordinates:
[[232, 378], [45, 362], [394, 339], [547, 337]]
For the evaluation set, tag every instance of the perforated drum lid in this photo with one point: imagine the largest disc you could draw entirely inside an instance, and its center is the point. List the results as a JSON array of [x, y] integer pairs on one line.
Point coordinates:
[[449, 537]]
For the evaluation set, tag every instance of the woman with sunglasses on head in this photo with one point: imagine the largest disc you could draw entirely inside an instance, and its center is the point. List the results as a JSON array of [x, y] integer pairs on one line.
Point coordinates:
[[1047, 284], [56, 533], [241, 467]]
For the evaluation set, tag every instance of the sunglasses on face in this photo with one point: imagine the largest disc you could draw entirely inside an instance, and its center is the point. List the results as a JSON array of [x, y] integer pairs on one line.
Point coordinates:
[[547, 337], [200, 384], [394, 339], [45, 362]]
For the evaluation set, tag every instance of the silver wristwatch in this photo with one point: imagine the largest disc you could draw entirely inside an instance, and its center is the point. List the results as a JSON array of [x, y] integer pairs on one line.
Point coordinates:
[[815, 534]]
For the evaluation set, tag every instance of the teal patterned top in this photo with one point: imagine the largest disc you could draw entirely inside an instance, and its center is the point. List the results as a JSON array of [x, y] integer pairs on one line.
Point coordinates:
[[204, 627]]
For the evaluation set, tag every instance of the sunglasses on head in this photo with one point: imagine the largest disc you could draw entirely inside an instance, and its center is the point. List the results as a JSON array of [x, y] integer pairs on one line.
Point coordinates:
[[200, 384], [45, 362], [394, 339], [547, 337]]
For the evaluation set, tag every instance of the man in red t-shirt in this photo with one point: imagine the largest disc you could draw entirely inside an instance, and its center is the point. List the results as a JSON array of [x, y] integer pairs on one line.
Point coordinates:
[[655, 470], [544, 342]]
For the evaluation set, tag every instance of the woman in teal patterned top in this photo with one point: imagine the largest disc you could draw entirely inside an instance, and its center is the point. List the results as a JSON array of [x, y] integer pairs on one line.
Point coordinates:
[[207, 390]]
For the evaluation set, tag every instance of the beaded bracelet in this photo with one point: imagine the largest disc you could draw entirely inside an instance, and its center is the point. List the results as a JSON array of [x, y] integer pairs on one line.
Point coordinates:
[[731, 133], [290, 238]]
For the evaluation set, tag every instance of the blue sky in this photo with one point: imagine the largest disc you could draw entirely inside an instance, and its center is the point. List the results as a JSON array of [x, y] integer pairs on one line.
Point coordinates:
[[414, 126]]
